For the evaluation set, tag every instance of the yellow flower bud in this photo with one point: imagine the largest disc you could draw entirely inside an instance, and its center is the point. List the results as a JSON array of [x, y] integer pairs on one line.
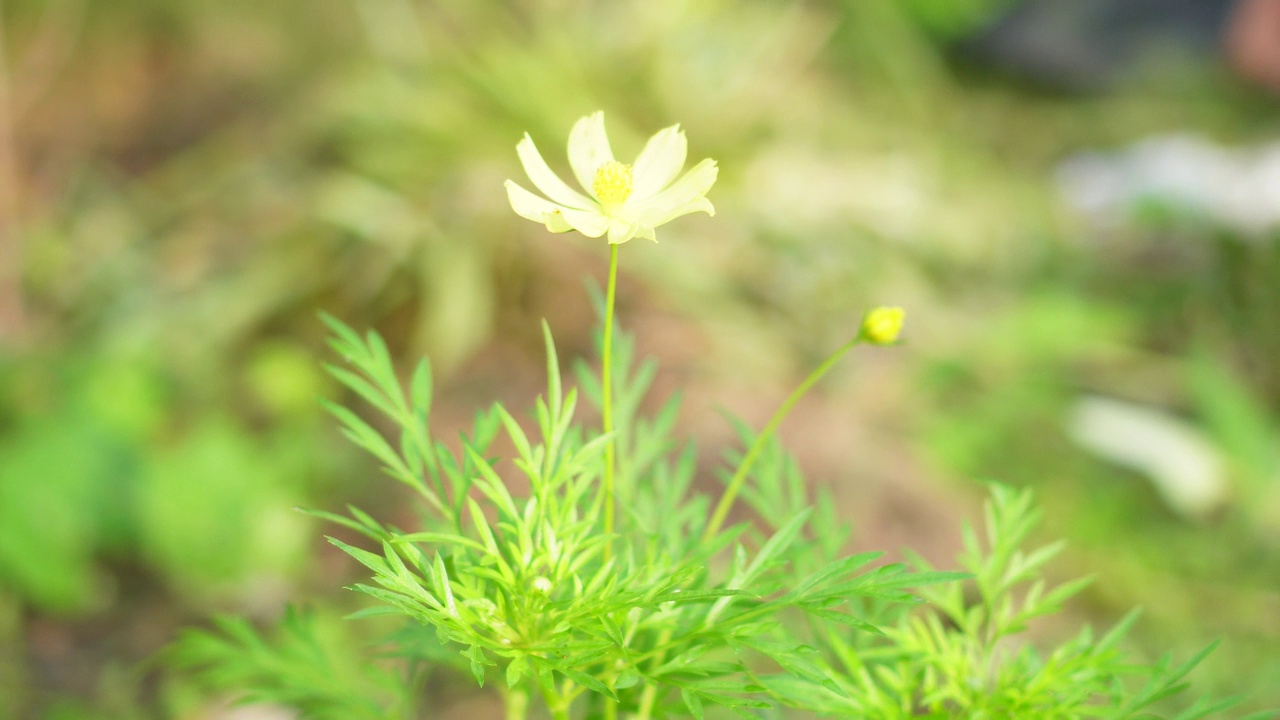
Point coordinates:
[[882, 325]]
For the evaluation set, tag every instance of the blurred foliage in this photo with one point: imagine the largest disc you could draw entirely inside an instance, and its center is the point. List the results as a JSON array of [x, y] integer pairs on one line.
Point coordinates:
[[195, 179], [312, 663], [952, 20], [98, 463]]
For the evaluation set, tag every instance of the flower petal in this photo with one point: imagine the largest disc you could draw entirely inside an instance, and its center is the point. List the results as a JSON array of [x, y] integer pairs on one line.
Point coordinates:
[[588, 149], [687, 195], [621, 231], [545, 180], [659, 162], [531, 207], [699, 205], [588, 222], [556, 222]]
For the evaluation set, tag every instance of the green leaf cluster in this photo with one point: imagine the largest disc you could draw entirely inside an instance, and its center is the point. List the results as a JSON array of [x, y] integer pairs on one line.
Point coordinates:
[[531, 590], [965, 653], [669, 616], [308, 663]]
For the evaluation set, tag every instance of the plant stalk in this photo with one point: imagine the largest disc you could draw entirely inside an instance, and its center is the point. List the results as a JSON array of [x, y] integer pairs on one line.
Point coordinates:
[[516, 701], [748, 461], [606, 398], [650, 694]]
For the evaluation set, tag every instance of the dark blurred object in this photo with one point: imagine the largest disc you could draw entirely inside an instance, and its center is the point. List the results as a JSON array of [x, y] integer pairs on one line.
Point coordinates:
[[1253, 41], [1084, 45]]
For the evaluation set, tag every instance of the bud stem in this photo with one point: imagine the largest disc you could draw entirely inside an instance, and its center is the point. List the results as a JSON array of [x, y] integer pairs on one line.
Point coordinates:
[[753, 453]]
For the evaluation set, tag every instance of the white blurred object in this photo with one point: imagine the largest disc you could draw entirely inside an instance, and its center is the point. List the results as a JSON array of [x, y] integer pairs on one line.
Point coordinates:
[[1187, 469], [1238, 187]]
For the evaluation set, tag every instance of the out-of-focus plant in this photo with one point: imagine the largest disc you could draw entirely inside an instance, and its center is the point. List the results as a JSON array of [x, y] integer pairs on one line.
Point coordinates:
[[959, 656], [1007, 408], [83, 482], [950, 21]]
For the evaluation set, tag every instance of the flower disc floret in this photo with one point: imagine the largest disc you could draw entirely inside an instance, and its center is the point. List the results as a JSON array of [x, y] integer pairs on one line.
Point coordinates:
[[621, 201], [612, 183]]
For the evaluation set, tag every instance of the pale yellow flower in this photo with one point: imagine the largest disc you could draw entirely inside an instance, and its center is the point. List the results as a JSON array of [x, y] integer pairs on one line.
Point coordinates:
[[882, 325], [621, 201]]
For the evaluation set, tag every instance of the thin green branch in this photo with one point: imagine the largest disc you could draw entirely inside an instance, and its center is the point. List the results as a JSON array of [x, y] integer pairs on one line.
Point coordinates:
[[516, 701], [748, 461], [606, 397]]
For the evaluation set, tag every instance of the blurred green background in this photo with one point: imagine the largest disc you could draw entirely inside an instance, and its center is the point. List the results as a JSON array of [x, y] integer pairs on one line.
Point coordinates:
[[184, 185]]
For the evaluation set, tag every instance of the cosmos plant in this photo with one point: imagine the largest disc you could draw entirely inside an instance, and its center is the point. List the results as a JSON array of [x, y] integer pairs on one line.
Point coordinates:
[[623, 585]]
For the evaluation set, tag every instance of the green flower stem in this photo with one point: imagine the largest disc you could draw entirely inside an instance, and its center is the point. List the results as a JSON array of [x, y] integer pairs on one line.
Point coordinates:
[[606, 397], [564, 702], [647, 699], [558, 702], [749, 460], [517, 704], [650, 694]]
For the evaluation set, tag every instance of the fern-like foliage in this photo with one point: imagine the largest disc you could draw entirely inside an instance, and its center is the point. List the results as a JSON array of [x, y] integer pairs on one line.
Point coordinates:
[[531, 589], [964, 653], [668, 616], [312, 667]]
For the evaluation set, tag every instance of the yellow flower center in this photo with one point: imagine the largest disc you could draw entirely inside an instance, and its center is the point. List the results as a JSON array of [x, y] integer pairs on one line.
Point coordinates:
[[612, 184]]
